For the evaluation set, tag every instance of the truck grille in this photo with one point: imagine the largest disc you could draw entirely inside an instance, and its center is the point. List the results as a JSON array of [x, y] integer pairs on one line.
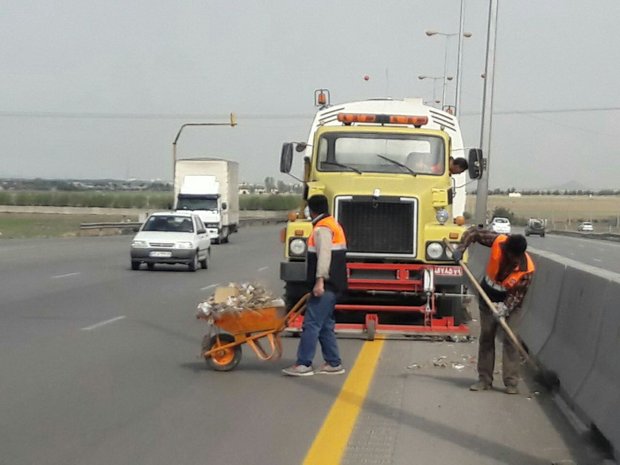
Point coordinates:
[[378, 227]]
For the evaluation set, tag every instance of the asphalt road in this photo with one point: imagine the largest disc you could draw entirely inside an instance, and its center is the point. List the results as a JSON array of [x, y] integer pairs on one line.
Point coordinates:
[[100, 366], [597, 253]]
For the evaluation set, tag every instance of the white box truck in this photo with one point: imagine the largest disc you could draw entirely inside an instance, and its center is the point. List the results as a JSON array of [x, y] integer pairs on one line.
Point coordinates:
[[209, 187]]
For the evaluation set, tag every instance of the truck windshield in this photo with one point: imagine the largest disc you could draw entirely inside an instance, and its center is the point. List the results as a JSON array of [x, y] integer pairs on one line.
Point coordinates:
[[382, 153], [196, 203]]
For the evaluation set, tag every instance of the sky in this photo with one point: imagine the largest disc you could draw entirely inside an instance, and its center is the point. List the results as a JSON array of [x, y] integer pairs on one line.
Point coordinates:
[[99, 89]]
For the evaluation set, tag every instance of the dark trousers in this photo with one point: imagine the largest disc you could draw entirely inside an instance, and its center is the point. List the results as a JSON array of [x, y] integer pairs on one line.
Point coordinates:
[[318, 327], [489, 327]]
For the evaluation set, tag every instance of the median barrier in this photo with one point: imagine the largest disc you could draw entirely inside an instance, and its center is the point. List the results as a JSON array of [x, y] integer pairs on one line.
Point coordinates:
[[599, 397], [571, 348], [538, 316]]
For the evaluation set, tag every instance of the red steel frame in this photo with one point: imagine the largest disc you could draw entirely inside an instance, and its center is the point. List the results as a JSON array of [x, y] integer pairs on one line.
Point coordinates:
[[403, 282]]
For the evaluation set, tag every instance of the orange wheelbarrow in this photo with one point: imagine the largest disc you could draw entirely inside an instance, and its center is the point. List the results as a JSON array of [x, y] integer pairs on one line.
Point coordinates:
[[222, 350]]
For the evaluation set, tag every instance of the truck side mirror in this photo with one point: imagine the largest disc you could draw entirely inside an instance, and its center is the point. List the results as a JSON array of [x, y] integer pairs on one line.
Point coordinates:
[[476, 163], [286, 157], [224, 206]]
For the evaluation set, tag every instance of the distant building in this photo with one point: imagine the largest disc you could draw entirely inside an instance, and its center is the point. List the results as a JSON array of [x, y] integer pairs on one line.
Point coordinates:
[[514, 194]]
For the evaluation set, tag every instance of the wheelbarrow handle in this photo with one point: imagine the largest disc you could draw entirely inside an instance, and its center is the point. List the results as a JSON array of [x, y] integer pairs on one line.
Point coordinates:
[[297, 309]]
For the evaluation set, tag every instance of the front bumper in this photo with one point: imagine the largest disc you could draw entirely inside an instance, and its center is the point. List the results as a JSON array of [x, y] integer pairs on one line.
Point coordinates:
[[153, 255]]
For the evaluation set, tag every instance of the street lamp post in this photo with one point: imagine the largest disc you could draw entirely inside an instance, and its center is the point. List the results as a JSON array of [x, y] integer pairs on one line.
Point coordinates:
[[487, 114], [444, 78], [232, 123], [447, 35]]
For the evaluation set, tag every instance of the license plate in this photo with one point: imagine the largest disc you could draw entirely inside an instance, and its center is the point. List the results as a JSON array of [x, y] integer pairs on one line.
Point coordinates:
[[448, 271], [160, 254]]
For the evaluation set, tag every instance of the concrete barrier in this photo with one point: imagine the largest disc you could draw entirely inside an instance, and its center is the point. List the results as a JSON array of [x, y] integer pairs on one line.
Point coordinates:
[[571, 322], [538, 317], [599, 397], [571, 346]]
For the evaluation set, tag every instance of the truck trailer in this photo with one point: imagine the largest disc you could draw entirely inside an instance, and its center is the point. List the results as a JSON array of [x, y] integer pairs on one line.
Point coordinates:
[[383, 165], [210, 187]]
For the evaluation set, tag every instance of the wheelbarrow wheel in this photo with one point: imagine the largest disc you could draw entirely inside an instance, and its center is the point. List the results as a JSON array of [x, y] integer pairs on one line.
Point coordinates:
[[222, 360]]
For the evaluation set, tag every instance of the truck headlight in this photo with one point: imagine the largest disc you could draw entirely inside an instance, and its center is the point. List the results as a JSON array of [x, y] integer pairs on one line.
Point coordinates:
[[434, 250], [139, 244], [297, 247], [442, 215], [184, 245]]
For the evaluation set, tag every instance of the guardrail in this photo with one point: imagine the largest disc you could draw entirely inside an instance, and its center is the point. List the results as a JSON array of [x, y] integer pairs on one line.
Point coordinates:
[[127, 227]]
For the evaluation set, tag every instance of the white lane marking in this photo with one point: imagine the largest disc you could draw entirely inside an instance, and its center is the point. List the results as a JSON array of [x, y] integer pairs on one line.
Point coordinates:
[[65, 275], [102, 323], [597, 259], [263, 268], [210, 286]]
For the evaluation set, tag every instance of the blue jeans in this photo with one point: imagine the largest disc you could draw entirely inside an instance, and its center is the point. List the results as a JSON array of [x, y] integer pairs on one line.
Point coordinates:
[[319, 326]]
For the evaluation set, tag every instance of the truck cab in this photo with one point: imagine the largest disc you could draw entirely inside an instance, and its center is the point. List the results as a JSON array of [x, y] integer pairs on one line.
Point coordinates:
[[383, 165], [208, 207]]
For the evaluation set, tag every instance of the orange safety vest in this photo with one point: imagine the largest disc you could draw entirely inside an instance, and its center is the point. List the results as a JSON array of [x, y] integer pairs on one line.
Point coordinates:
[[339, 241], [337, 281], [493, 267]]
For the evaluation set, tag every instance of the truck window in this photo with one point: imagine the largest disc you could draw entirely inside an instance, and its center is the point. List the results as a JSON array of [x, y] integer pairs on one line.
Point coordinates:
[[423, 154]]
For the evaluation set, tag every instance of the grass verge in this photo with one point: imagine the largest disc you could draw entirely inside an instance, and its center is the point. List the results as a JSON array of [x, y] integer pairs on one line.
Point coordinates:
[[30, 225]]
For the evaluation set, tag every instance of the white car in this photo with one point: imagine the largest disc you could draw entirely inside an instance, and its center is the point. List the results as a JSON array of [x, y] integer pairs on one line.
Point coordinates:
[[500, 225], [171, 238], [586, 226]]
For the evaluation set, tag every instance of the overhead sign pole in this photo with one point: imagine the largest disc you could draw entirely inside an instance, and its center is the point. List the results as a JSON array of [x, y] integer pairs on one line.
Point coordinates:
[[231, 123]]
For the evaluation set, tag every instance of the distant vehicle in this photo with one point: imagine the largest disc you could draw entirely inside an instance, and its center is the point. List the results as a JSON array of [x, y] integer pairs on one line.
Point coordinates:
[[171, 238], [210, 188], [586, 226], [500, 225], [535, 226]]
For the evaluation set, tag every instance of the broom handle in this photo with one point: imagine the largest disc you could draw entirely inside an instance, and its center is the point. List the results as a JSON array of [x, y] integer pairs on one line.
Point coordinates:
[[502, 321]]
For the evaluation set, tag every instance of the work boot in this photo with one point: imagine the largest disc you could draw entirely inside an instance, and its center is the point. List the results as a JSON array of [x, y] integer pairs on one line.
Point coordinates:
[[480, 386], [512, 390], [298, 370]]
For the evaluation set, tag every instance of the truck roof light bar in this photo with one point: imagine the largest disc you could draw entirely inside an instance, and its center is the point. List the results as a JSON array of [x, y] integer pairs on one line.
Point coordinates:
[[349, 118]]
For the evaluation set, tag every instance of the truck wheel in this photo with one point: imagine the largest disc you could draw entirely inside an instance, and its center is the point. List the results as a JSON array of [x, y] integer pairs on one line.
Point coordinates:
[[225, 236], [135, 265]]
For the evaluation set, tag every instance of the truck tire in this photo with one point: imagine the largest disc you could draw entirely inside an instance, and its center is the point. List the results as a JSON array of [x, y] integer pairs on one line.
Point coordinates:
[[225, 235]]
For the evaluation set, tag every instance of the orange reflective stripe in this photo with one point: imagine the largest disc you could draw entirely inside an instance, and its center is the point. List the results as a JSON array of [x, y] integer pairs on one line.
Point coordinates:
[[339, 241], [495, 259]]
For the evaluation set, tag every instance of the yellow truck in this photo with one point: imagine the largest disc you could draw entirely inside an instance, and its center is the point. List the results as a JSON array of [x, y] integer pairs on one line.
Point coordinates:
[[384, 166]]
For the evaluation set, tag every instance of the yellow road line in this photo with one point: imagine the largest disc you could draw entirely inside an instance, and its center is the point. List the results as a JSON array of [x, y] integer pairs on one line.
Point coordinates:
[[329, 445]]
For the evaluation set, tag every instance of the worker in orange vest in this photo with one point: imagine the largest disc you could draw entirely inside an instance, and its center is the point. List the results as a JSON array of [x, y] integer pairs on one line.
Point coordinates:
[[507, 277], [327, 279]]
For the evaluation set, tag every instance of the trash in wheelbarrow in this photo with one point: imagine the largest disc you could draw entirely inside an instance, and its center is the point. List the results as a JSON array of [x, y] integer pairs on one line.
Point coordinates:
[[236, 298]]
